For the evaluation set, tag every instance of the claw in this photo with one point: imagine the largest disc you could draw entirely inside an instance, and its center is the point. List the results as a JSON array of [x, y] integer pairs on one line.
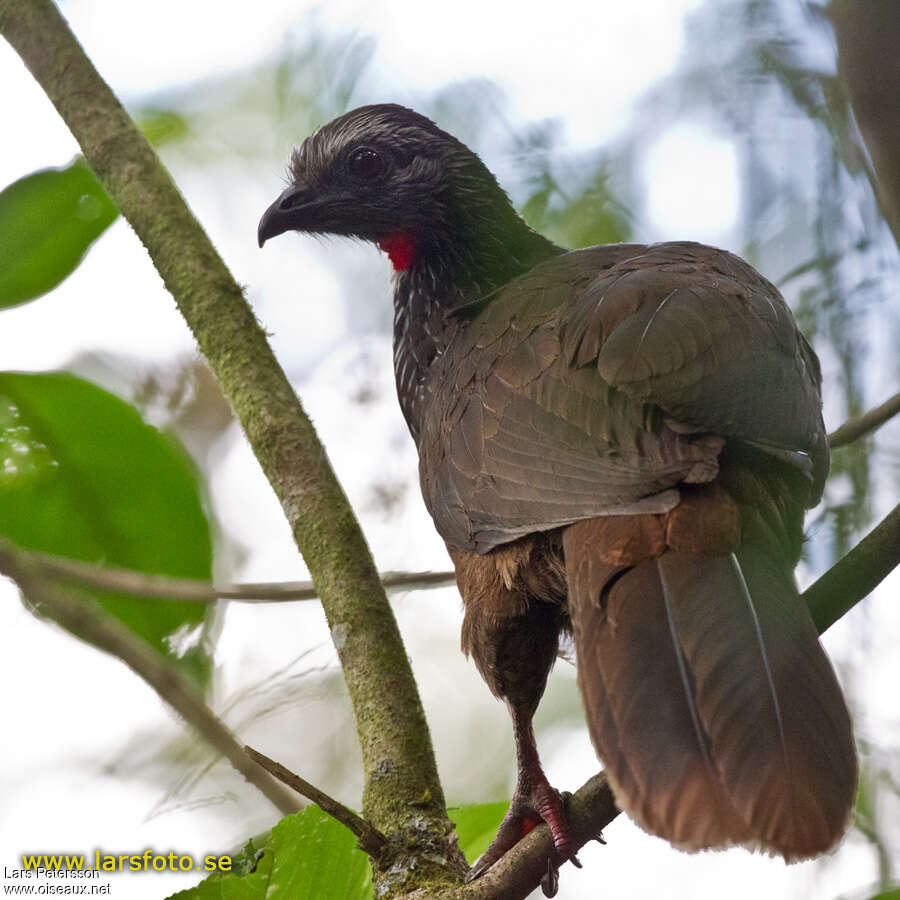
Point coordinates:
[[550, 879], [476, 871]]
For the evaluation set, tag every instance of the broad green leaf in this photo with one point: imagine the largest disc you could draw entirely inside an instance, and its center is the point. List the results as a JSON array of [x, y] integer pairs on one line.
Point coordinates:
[[476, 826], [48, 220], [81, 475], [308, 856]]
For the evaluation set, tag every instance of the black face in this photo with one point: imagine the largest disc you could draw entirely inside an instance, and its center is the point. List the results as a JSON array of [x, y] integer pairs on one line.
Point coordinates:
[[372, 173]]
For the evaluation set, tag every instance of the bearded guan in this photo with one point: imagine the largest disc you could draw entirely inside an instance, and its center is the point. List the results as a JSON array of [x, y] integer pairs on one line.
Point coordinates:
[[620, 442]]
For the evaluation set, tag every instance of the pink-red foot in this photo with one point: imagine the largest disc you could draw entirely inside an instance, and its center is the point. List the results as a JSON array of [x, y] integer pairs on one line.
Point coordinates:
[[541, 804]]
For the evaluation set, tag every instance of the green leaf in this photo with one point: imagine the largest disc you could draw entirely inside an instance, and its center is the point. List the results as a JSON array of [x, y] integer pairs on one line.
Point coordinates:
[[476, 826], [81, 475], [48, 220], [308, 856]]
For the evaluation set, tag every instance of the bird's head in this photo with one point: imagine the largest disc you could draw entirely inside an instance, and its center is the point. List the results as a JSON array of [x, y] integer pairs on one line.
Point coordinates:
[[387, 175]]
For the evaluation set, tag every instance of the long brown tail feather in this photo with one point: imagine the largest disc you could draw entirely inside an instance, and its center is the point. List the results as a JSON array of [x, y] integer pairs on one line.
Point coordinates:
[[710, 700]]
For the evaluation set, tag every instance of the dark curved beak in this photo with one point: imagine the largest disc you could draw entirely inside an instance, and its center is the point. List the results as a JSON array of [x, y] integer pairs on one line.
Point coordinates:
[[288, 212]]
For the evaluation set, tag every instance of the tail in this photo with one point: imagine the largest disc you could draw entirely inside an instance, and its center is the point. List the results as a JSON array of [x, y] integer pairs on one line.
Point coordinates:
[[710, 700]]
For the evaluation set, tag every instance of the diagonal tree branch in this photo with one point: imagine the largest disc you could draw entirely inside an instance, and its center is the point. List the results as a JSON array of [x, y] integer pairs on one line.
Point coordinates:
[[397, 755], [85, 618], [853, 429], [856, 574]]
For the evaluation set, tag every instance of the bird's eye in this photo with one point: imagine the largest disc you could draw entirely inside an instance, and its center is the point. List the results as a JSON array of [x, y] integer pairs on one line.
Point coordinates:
[[366, 164]]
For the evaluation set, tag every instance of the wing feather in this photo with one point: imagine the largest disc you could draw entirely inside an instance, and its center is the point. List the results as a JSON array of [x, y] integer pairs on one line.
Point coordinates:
[[606, 376]]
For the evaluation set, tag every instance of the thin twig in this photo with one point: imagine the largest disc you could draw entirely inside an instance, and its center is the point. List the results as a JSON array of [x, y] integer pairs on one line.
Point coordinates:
[[860, 426], [80, 615], [836, 592], [191, 590], [371, 840]]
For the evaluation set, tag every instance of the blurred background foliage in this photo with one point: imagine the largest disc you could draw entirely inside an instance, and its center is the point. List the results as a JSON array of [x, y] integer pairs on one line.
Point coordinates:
[[758, 74]]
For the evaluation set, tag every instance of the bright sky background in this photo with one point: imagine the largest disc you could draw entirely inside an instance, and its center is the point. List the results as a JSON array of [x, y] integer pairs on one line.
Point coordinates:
[[69, 711]]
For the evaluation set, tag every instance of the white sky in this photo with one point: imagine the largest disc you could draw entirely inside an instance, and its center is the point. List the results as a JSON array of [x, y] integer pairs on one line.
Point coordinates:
[[68, 709]]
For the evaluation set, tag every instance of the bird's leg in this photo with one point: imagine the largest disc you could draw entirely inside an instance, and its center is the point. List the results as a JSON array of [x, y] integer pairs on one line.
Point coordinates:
[[515, 610], [514, 654], [534, 799]]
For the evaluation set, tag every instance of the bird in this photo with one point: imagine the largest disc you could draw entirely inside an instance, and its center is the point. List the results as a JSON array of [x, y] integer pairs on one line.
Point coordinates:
[[617, 444]]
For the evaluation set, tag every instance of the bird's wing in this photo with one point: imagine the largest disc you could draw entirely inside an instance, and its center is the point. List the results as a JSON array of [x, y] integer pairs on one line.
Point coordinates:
[[604, 378], [702, 335]]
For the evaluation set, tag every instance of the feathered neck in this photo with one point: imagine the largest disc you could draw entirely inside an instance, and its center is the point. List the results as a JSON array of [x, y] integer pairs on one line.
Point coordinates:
[[450, 274]]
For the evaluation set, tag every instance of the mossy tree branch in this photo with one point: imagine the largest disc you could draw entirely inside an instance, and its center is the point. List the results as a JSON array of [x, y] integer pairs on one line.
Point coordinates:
[[397, 755]]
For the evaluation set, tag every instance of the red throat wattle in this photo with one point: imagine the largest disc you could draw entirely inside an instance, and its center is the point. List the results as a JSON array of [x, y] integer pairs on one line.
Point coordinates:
[[400, 248]]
